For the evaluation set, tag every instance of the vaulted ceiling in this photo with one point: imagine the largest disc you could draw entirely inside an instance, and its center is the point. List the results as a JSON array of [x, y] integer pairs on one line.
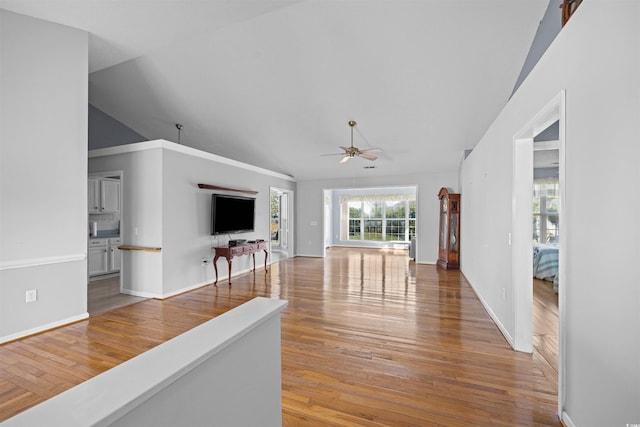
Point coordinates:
[[274, 83]]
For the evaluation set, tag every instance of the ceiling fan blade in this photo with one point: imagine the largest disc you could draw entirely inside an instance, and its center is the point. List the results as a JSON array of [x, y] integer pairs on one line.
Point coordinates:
[[344, 148], [366, 156], [333, 154], [372, 150], [344, 159]]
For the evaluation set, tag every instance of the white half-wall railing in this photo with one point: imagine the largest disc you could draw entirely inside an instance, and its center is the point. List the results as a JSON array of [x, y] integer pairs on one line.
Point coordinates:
[[226, 371]]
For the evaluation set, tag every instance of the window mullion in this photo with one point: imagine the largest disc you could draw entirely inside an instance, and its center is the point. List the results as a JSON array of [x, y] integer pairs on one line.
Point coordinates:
[[384, 221], [361, 220]]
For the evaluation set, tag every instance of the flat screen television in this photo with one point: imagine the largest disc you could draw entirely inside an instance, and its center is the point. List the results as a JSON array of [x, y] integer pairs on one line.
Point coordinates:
[[232, 214]]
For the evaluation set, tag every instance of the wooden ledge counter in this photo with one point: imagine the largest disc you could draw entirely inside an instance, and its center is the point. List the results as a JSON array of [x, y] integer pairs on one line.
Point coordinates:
[[138, 248]]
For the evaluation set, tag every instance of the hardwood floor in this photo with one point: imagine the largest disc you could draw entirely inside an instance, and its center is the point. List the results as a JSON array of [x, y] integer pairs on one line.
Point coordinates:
[[368, 338], [104, 295], [545, 324]]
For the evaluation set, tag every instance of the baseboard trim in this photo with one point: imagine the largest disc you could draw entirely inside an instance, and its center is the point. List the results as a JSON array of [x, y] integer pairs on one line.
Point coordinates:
[[567, 420], [183, 290], [496, 320], [140, 294], [43, 328]]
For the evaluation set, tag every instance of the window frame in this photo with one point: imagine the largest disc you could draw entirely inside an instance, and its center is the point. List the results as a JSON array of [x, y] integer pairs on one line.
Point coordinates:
[[409, 220]]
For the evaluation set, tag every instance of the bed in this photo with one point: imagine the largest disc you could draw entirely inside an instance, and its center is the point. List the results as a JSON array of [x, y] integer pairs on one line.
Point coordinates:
[[545, 262]]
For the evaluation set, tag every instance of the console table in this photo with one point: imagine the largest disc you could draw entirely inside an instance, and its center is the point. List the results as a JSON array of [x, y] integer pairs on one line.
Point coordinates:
[[230, 252]]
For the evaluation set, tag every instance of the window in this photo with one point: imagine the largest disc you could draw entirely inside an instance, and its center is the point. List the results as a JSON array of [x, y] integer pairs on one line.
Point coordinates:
[[380, 218], [372, 222], [545, 211], [395, 213], [412, 219], [355, 220]]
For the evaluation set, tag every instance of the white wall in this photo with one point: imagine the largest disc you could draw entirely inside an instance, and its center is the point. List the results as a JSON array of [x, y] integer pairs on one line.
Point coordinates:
[[163, 202], [141, 215], [309, 206], [187, 221], [43, 166], [596, 59]]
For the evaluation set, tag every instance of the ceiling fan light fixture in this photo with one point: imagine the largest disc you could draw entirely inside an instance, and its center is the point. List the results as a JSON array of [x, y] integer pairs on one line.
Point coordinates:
[[351, 151]]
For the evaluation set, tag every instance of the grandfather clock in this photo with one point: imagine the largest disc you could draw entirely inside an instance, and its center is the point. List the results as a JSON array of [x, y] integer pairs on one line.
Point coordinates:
[[449, 234]]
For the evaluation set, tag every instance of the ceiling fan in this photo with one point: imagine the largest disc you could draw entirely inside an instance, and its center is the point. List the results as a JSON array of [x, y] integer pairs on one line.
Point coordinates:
[[350, 152]]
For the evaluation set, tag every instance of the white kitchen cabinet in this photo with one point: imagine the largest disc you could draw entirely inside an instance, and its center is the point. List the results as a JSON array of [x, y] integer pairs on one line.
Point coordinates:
[[103, 256], [103, 195], [93, 201], [110, 193], [114, 255], [97, 257]]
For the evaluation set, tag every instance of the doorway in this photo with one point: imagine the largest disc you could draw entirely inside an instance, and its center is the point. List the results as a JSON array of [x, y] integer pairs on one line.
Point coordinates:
[[279, 223], [104, 231], [523, 228]]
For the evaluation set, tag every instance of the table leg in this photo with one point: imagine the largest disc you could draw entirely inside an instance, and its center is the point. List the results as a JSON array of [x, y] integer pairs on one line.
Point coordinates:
[[215, 267], [266, 255], [253, 254]]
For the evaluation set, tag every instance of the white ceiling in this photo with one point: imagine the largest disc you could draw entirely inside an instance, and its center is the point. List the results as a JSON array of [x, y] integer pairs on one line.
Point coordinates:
[[274, 83]]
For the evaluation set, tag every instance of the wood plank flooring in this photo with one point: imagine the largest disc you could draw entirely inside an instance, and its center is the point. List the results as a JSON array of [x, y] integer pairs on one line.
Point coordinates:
[[104, 295], [545, 326], [368, 338]]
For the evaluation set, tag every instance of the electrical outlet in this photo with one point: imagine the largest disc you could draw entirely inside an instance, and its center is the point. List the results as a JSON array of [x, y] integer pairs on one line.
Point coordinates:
[[31, 295], [204, 261]]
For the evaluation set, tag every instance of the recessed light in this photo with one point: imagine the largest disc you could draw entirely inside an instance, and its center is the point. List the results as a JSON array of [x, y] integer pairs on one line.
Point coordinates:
[[369, 167]]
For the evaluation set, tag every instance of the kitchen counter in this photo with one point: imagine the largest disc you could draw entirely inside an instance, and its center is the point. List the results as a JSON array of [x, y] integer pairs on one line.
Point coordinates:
[[105, 234]]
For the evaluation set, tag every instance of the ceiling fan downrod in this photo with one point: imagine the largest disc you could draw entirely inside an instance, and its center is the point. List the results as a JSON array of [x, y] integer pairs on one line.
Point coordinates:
[[352, 124]]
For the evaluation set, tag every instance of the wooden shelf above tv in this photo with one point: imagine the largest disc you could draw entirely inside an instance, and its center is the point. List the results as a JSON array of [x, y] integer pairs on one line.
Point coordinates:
[[235, 190]]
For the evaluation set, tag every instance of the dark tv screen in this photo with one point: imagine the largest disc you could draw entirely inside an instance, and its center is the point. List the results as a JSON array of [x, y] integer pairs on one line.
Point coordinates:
[[232, 214]]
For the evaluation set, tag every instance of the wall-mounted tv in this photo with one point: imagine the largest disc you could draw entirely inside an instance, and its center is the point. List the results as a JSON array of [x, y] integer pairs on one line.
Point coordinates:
[[232, 214]]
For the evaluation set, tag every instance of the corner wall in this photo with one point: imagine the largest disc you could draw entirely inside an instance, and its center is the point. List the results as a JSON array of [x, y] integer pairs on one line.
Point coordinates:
[[43, 170], [163, 204], [596, 60]]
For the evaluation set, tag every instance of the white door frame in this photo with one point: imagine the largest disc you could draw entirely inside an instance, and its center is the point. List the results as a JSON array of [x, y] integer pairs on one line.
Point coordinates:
[[290, 220], [120, 175], [522, 249]]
